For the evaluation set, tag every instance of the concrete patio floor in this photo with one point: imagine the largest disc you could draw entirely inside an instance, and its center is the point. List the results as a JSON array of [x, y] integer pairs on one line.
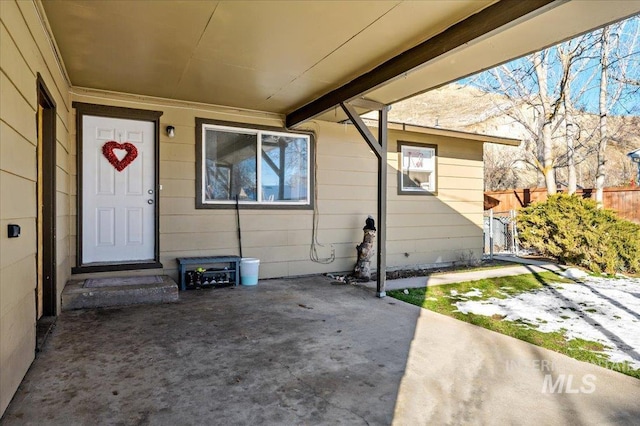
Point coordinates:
[[304, 351]]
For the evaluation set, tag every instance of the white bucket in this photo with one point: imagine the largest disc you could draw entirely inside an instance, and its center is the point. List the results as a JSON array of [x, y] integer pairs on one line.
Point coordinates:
[[249, 271]]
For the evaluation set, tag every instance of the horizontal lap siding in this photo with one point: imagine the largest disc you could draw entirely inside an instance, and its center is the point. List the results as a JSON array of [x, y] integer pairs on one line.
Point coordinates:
[[187, 231], [17, 205], [427, 230], [24, 52], [431, 229]]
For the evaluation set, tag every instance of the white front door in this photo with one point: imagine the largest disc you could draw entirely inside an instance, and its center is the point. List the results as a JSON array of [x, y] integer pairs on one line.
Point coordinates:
[[118, 190]]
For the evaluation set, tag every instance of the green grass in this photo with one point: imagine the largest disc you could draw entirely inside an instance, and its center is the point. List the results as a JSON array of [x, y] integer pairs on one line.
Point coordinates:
[[497, 264], [439, 299]]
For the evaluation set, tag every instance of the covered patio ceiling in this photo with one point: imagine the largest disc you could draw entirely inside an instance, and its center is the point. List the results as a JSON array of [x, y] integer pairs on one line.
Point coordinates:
[[301, 58]]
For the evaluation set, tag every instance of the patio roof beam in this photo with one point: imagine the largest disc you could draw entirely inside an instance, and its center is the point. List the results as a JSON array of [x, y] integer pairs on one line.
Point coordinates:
[[482, 23], [379, 148]]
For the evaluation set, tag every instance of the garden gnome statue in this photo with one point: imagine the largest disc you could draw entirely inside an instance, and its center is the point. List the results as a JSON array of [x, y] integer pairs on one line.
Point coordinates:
[[362, 271]]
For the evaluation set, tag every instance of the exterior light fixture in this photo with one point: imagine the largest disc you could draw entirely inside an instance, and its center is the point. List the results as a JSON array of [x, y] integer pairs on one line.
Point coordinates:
[[171, 131]]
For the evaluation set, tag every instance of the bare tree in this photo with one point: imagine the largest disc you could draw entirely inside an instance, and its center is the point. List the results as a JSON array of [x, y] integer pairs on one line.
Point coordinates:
[[549, 107], [568, 54], [499, 168], [618, 70], [604, 110], [572, 179], [538, 87], [570, 102]]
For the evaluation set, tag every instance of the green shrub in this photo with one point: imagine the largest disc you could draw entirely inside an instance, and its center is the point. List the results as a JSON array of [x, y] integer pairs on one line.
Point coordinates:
[[574, 231]]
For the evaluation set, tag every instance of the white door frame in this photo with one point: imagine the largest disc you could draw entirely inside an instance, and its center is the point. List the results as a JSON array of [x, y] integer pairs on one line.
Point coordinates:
[[83, 109]]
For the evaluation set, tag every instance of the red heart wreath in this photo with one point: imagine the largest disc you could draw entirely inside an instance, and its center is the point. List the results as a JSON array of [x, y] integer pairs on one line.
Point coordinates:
[[119, 165]]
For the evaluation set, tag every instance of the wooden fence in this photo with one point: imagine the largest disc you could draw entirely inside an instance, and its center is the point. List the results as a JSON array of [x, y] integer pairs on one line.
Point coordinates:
[[625, 201]]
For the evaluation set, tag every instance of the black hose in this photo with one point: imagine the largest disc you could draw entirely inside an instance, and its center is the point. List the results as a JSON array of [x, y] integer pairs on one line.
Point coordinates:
[[238, 219]]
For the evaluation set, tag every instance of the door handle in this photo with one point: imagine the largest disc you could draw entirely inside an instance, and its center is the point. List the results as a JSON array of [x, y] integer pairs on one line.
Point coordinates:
[[149, 201]]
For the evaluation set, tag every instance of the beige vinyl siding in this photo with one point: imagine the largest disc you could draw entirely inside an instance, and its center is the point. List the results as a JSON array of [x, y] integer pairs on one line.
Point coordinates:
[[430, 229], [24, 52], [185, 230]]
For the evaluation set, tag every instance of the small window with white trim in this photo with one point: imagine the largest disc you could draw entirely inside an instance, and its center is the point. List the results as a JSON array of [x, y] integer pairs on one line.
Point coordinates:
[[261, 167], [417, 171]]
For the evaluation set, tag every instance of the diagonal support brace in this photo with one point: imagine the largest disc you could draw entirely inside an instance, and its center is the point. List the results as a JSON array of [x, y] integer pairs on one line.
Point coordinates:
[[379, 147]]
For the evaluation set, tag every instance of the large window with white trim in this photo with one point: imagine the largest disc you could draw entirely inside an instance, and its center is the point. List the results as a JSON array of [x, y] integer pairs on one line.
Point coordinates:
[[261, 167]]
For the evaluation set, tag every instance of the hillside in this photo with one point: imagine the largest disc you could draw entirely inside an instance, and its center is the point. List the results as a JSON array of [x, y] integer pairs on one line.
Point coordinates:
[[469, 109]]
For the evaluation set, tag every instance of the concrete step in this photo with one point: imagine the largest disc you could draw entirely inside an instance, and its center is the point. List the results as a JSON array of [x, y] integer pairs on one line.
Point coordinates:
[[118, 291]]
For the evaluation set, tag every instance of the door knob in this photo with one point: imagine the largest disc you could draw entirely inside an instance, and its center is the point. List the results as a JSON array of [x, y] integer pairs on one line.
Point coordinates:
[[149, 201]]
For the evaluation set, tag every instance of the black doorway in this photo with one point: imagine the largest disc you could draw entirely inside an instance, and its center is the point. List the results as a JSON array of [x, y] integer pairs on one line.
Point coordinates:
[[46, 305]]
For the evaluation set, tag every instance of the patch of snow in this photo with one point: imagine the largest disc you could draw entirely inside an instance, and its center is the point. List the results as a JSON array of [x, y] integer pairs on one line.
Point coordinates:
[[454, 292], [598, 309], [474, 292], [574, 274]]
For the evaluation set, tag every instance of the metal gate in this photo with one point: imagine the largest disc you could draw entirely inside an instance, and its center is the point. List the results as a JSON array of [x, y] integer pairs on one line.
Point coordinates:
[[500, 232]]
